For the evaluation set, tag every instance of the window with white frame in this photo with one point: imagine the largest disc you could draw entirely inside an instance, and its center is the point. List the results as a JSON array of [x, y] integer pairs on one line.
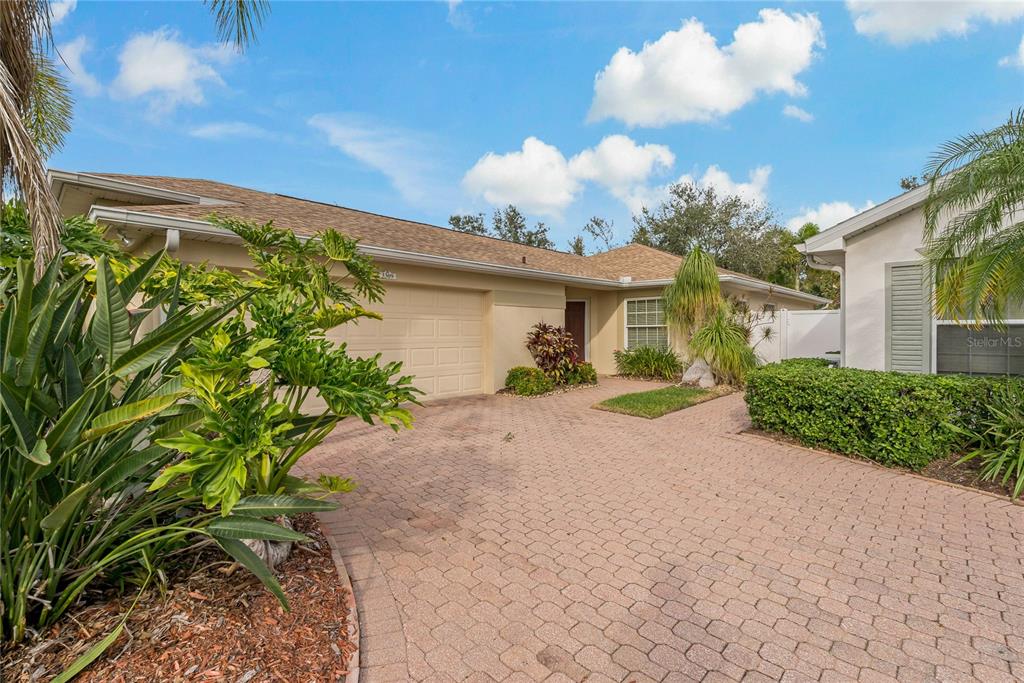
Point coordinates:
[[645, 324]]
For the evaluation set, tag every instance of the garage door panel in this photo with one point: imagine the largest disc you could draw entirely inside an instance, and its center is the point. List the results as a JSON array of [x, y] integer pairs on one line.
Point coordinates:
[[422, 358], [435, 333], [449, 356], [423, 328]]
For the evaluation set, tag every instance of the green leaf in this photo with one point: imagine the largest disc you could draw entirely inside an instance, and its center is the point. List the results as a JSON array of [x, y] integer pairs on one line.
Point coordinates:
[[174, 426], [58, 517], [17, 339], [248, 559], [38, 454], [22, 427], [111, 328], [90, 656], [244, 527], [131, 283], [127, 414], [37, 339], [266, 506], [159, 344], [67, 428], [129, 465]]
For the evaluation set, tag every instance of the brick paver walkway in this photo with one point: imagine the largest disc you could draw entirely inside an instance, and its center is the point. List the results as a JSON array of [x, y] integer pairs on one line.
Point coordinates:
[[512, 539]]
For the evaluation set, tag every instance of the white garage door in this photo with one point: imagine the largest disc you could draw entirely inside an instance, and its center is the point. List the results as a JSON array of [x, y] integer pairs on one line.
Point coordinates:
[[437, 334]]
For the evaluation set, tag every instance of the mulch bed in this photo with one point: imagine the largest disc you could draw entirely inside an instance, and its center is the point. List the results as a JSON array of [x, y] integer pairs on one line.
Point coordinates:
[[945, 469], [212, 624]]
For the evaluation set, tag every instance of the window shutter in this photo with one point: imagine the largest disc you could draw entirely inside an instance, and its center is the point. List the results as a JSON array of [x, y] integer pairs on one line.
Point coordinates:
[[908, 318]]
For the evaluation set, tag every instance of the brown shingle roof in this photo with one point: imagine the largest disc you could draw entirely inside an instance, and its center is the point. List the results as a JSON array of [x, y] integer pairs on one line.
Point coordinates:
[[305, 217]]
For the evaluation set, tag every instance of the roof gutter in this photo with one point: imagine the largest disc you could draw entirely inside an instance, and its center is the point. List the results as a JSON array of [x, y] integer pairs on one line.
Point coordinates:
[[59, 178], [125, 217]]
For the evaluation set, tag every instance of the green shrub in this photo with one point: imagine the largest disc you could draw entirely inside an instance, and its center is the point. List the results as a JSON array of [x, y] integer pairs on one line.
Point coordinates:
[[894, 418], [525, 381], [648, 362], [581, 373]]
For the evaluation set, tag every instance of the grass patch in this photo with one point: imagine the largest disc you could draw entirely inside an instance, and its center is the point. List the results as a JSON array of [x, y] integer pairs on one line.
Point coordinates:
[[658, 402]]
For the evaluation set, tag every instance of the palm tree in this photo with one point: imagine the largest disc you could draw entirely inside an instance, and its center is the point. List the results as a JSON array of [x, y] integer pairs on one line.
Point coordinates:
[[694, 305], [694, 294], [974, 232], [35, 104]]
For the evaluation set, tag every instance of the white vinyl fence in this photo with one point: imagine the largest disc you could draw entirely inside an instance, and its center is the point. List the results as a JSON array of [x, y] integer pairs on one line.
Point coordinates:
[[798, 334]]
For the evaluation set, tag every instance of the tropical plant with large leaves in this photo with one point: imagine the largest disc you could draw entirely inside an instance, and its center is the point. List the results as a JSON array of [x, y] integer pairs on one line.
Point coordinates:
[[974, 223], [84, 397]]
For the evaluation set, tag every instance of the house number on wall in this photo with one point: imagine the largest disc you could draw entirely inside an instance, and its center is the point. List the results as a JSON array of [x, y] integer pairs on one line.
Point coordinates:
[[388, 275]]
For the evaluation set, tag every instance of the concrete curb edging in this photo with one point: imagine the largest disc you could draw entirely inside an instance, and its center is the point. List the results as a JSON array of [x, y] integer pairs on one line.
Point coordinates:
[[350, 602]]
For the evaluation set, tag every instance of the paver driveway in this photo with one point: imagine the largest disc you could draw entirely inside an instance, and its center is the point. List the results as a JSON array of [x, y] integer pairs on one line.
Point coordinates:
[[513, 539]]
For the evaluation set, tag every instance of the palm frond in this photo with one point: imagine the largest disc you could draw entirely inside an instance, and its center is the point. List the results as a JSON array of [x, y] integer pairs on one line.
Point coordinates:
[[974, 233], [50, 108], [238, 20], [695, 293]]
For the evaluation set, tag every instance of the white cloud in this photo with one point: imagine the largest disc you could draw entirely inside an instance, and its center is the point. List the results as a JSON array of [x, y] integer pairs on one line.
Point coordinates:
[[457, 17], [826, 214], [753, 190], [60, 10], [686, 76], [795, 112], [229, 129], [403, 156], [621, 166], [901, 23], [71, 54], [167, 70], [1015, 60], [537, 179]]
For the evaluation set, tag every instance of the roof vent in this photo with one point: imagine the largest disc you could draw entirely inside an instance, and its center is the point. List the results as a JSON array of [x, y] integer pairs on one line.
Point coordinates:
[[625, 279], [524, 259]]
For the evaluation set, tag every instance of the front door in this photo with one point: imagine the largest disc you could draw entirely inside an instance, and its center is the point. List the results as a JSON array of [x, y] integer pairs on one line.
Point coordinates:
[[576, 324]]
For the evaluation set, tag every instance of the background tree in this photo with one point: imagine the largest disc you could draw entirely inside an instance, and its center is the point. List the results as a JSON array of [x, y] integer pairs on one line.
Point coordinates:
[[909, 182], [739, 234], [974, 222], [601, 233], [506, 224], [472, 223], [36, 105], [794, 272]]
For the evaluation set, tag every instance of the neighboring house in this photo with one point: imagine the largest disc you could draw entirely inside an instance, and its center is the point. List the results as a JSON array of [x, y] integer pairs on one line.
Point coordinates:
[[458, 306], [886, 320]]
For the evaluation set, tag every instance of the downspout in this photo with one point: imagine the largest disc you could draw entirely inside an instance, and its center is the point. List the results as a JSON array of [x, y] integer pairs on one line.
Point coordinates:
[[819, 265], [172, 241]]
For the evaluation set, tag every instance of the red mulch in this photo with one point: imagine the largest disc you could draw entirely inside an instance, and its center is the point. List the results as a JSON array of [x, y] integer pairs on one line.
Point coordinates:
[[213, 624]]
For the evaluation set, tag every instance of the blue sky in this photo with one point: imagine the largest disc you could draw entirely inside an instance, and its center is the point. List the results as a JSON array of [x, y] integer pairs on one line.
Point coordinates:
[[569, 110]]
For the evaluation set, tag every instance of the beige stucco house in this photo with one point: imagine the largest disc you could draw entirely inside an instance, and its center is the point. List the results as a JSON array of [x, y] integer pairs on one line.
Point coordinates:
[[886, 320], [458, 306]]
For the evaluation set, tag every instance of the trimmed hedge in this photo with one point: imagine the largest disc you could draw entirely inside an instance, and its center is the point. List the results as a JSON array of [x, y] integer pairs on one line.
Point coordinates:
[[526, 381], [893, 418]]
